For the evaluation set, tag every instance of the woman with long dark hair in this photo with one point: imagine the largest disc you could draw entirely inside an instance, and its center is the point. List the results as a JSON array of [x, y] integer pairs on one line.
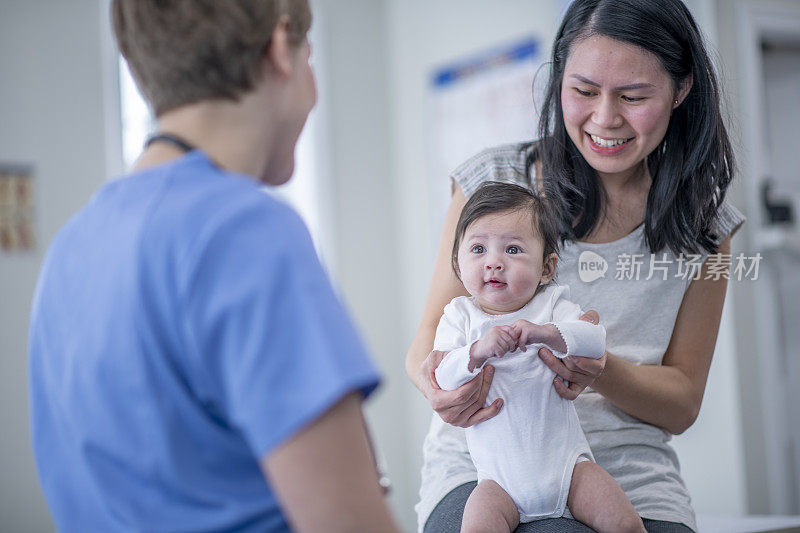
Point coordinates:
[[633, 149]]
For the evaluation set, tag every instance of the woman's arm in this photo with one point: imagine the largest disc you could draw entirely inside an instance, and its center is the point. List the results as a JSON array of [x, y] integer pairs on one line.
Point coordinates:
[[669, 396], [463, 406], [444, 287], [325, 477]]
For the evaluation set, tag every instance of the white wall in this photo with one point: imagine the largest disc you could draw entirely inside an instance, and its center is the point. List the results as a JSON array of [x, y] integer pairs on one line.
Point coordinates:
[[355, 103], [50, 116]]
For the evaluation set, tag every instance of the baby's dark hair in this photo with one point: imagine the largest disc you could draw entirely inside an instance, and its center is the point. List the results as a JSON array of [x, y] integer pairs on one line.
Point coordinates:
[[497, 197]]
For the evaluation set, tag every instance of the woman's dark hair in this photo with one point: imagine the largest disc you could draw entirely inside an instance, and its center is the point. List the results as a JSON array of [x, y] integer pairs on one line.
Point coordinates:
[[692, 166], [494, 197]]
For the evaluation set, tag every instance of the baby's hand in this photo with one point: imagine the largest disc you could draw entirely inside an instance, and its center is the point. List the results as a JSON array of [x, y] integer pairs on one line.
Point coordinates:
[[526, 332], [497, 342]]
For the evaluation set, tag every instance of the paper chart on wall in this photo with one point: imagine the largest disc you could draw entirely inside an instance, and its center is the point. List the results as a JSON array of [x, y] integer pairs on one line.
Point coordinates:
[[477, 102]]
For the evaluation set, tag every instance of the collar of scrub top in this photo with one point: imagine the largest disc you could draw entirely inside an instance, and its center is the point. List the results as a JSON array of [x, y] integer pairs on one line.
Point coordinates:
[[172, 139]]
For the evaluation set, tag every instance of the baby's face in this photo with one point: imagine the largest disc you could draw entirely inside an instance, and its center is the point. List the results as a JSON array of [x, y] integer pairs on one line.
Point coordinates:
[[500, 261]]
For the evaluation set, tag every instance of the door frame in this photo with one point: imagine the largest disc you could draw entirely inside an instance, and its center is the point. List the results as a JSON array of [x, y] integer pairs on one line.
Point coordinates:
[[772, 484]]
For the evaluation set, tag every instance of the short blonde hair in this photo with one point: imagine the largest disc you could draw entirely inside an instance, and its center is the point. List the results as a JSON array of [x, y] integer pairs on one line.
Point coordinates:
[[184, 51]]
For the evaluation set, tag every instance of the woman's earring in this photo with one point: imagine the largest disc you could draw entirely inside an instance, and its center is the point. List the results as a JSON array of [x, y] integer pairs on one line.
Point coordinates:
[[676, 102]]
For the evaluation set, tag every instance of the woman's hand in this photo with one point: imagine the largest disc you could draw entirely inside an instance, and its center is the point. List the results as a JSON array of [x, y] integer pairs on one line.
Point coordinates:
[[580, 372], [462, 407]]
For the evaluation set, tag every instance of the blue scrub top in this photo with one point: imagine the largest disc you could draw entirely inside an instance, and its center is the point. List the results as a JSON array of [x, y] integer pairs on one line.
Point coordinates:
[[182, 327]]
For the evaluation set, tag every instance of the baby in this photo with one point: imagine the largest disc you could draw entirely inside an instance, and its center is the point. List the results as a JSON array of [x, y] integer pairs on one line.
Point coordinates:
[[532, 458]]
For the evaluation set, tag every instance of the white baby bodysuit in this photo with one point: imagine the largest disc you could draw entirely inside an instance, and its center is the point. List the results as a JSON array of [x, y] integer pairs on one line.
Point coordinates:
[[532, 445]]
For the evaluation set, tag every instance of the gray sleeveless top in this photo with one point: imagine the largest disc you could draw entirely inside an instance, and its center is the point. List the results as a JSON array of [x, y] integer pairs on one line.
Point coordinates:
[[637, 296]]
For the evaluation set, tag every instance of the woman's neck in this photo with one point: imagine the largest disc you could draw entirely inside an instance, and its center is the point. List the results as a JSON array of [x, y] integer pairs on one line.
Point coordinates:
[[632, 182], [624, 207], [627, 195]]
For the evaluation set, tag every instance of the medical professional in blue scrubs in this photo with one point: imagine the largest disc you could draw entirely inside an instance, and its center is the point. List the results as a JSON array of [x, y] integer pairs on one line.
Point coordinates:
[[190, 367]]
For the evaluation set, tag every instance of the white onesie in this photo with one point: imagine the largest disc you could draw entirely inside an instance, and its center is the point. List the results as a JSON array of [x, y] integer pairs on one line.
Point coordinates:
[[532, 445]]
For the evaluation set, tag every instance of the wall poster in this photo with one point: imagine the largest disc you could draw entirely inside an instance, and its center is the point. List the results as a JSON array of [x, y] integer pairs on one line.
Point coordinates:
[[16, 208], [480, 101]]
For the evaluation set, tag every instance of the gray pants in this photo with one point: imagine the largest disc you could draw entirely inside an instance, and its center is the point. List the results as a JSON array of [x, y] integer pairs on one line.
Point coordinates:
[[446, 518]]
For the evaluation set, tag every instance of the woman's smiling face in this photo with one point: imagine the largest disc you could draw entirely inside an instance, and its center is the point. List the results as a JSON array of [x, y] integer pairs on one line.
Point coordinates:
[[617, 100]]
